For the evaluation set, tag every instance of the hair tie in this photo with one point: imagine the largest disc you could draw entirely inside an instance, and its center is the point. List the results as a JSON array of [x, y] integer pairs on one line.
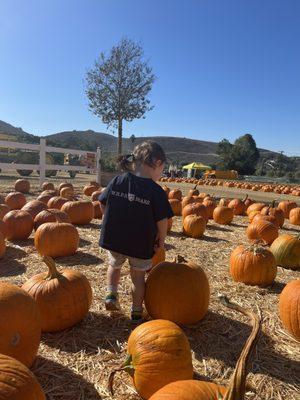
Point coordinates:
[[129, 157]]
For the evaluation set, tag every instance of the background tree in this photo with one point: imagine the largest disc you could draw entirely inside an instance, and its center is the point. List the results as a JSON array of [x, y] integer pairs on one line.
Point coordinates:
[[241, 156], [118, 86]]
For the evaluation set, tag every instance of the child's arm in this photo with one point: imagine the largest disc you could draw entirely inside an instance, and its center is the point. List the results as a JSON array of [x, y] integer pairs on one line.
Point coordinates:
[[162, 228], [102, 208]]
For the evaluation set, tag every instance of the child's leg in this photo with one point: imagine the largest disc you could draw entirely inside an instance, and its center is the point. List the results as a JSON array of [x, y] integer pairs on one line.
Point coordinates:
[[138, 289], [113, 277]]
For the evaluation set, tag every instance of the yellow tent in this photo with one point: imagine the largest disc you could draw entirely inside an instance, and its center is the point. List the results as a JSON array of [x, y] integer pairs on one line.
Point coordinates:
[[197, 165]]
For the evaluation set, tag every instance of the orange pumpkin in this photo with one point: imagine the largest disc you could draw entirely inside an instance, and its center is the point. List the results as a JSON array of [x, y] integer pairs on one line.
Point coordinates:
[[195, 209], [20, 324], [34, 207], [286, 206], [2, 244], [238, 206], [275, 212], [210, 205], [22, 185], [4, 209], [57, 202], [176, 206], [97, 210], [90, 189], [64, 184], [3, 229], [262, 230], [50, 215], [19, 224], [194, 226], [223, 215], [159, 256], [175, 194], [17, 382], [203, 390], [67, 192], [253, 265], [295, 216], [80, 212], [187, 200], [48, 186], [177, 291], [15, 200], [56, 239], [289, 308], [63, 298], [44, 198], [95, 195], [269, 218], [255, 207], [158, 353]]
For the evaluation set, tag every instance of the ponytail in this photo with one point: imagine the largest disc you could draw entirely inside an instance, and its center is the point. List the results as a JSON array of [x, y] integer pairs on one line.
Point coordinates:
[[125, 162]]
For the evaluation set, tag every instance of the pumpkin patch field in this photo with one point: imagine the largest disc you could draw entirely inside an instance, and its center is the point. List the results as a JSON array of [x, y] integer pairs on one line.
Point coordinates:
[[58, 342]]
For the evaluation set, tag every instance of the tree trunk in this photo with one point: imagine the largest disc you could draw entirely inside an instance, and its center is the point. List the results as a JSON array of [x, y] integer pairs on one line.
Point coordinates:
[[120, 130]]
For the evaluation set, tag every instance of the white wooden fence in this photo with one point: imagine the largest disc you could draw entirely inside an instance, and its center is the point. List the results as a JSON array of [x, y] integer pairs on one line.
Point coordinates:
[[42, 149]]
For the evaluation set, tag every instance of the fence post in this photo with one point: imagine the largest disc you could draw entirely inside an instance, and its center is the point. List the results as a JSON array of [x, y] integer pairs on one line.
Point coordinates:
[[42, 160], [98, 165]]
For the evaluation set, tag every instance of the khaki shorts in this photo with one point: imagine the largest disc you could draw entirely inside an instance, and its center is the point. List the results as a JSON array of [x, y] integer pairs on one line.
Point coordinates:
[[116, 260]]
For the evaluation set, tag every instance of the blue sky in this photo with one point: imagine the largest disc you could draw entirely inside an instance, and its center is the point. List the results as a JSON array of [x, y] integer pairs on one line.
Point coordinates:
[[223, 67]]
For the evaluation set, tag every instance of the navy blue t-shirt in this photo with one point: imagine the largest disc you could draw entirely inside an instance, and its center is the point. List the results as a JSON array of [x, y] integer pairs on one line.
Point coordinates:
[[133, 206]]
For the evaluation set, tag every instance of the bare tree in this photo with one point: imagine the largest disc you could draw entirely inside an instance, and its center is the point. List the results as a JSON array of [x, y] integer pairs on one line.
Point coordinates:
[[118, 86]]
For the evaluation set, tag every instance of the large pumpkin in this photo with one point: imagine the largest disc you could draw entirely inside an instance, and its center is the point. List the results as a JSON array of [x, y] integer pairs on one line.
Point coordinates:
[[56, 239], [195, 209], [187, 200], [20, 324], [210, 205], [2, 245], [80, 212], [203, 390], [223, 215], [276, 212], [262, 230], [48, 186], [238, 206], [194, 226], [57, 202], [64, 184], [63, 298], [15, 200], [67, 192], [22, 185], [50, 215], [253, 265], [17, 382], [289, 308], [255, 207], [295, 216], [19, 225], [4, 209], [177, 291], [176, 206], [34, 207], [175, 194], [286, 249], [158, 353], [286, 206], [90, 189]]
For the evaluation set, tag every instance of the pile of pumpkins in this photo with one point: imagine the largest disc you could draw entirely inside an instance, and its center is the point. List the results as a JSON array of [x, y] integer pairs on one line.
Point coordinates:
[[255, 187], [52, 215], [48, 302]]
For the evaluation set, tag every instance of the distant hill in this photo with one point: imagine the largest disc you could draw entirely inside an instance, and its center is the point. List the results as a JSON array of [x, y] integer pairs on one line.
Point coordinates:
[[178, 149]]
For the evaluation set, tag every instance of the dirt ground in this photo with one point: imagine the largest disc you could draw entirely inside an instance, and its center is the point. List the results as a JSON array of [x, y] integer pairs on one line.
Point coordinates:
[[75, 364]]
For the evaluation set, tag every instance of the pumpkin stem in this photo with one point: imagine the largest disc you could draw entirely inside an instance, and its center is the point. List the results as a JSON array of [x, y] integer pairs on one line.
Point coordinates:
[[245, 198], [236, 389], [195, 186], [126, 366], [179, 259], [52, 271]]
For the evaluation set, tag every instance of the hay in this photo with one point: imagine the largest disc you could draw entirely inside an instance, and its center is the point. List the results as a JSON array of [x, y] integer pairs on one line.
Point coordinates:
[[75, 364]]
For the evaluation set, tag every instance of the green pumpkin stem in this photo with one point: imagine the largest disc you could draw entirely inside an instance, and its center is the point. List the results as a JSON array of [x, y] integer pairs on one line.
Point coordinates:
[[126, 366], [237, 387], [52, 271]]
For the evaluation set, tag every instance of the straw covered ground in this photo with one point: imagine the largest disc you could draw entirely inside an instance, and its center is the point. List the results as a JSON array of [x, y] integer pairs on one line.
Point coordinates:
[[75, 364]]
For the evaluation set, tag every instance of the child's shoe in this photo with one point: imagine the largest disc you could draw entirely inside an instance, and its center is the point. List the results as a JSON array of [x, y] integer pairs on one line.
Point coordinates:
[[136, 318], [112, 302]]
